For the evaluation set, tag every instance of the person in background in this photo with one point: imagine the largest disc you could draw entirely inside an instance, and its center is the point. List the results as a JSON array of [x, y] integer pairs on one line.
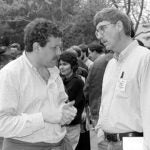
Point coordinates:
[[68, 65], [124, 110], [4, 58], [82, 69], [93, 86], [33, 108], [84, 55], [95, 50], [140, 42], [79, 56], [84, 140]]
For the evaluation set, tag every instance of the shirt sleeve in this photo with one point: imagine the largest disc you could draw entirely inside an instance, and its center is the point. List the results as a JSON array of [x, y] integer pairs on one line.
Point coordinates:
[[145, 99], [13, 124]]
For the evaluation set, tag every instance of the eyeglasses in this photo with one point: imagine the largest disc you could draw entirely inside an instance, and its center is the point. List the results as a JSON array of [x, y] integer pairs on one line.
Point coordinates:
[[101, 29]]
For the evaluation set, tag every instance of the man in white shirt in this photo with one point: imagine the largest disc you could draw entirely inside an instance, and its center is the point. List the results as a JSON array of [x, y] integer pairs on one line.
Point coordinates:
[[125, 104], [33, 112]]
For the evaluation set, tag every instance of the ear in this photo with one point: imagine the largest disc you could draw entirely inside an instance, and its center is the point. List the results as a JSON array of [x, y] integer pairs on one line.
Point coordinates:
[[119, 25], [36, 47]]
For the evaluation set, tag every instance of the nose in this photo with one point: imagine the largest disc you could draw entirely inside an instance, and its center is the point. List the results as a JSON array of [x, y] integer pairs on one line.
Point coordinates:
[[60, 66], [58, 51]]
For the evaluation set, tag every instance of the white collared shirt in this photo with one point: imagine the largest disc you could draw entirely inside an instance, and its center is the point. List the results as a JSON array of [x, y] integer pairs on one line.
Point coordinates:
[[23, 93], [125, 105]]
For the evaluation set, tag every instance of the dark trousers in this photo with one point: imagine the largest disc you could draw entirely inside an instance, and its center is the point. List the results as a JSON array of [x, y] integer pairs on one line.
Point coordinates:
[[84, 141], [11, 144]]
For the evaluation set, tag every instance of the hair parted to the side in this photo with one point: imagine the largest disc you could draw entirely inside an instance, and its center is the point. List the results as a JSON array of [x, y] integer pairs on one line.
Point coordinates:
[[99, 48], [70, 58], [76, 49], [84, 49], [39, 30], [113, 15]]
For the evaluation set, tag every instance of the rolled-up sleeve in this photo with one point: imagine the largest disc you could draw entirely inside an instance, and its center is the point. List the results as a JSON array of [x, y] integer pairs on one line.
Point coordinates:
[[13, 124]]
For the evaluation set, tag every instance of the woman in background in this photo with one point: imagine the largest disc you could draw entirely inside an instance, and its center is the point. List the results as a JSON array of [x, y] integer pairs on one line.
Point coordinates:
[[68, 65]]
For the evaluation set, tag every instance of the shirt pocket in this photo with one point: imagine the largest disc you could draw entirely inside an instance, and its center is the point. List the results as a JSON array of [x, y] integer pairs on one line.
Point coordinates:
[[121, 90]]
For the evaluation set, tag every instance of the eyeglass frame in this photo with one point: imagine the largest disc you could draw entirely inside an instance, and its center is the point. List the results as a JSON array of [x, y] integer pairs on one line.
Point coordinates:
[[101, 29]]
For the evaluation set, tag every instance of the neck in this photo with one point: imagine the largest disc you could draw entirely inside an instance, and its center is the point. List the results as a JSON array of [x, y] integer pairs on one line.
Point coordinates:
[[124, 42], [33, 60], [69, 75]]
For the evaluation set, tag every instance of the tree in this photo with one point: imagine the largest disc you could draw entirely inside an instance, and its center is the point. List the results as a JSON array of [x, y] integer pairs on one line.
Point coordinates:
[[75, 17], [82, 30], [135, 9]]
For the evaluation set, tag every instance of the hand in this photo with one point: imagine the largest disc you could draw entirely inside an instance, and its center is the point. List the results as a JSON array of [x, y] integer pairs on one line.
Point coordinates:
[[68, 113], [100, 135], [51, 114], [84, 115]]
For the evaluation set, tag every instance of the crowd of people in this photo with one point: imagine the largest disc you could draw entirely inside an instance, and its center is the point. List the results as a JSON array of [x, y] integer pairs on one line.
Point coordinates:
[[50, 99]]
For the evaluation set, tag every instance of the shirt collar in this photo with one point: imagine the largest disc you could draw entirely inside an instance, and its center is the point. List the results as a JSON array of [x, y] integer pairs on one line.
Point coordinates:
[[66, 80], [126, 51], [54, 71], [27, 61]]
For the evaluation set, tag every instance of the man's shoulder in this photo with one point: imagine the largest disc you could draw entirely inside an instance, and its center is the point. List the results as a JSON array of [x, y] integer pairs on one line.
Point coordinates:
[[101, 61], [141, 52], [77, 78]]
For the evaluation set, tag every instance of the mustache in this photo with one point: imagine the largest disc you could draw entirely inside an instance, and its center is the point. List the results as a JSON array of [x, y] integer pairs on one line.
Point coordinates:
[[55, 58]]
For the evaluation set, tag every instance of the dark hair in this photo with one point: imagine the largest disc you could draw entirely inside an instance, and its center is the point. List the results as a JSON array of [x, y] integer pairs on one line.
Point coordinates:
[[39, 30], [75, 48], [70, 58], [132, 30], [84, 49], [113, 15], [96, 47], [140, 42]]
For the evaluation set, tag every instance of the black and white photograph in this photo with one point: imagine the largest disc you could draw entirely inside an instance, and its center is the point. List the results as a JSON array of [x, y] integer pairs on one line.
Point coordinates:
[[74, 74]]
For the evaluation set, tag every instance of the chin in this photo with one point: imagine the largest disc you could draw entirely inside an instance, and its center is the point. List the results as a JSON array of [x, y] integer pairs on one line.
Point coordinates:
[[63, 74], [51, 65]]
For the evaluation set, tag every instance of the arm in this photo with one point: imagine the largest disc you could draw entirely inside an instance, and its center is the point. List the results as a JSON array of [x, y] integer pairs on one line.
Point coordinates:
[[75, 91], [145, 99], [13, 124]]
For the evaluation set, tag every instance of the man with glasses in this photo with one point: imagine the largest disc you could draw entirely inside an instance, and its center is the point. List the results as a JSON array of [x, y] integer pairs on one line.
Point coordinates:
[[125, 104], [33, 112]]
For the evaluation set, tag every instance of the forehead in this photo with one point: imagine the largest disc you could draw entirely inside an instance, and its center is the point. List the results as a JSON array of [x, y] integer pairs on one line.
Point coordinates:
[[64, 62], [54, 41], [102, 23]]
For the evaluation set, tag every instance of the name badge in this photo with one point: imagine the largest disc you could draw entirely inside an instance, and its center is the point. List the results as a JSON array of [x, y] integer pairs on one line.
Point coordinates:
[[122, 84]]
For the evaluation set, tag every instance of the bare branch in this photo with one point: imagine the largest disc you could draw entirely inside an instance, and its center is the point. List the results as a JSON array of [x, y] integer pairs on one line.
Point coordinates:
[[129, 4], [125, 5], [141, 33], [134, 15], [141, 10], [115, 3]]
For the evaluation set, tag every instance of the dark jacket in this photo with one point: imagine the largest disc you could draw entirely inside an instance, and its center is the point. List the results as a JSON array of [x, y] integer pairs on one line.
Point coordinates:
[[93, 85], [74, 88]]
